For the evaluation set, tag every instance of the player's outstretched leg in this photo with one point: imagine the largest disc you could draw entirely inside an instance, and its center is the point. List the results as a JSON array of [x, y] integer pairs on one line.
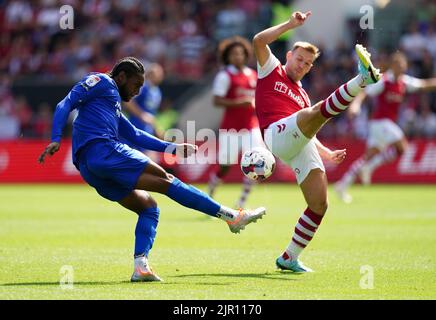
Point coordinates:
[[342, 97], [196, 199], [155, 179], [310, 120]]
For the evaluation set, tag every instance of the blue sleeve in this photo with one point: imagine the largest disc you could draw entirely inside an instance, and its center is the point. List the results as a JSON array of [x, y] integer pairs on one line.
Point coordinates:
[[81, 92], [63, 109], [142, 138]]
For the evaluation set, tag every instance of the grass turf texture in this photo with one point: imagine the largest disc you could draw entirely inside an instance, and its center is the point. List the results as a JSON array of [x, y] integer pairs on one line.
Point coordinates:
[[390, 228]]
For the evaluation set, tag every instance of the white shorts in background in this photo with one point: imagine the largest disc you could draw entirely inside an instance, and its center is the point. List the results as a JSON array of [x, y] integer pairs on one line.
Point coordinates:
[[287, 142], [232, 144], [382, 133]]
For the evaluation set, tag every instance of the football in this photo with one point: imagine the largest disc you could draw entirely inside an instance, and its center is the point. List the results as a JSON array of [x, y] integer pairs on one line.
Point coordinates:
[[257, 164]]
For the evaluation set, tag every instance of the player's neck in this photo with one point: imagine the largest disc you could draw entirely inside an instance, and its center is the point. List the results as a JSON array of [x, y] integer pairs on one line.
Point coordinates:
[[290, 75], [239, 68]]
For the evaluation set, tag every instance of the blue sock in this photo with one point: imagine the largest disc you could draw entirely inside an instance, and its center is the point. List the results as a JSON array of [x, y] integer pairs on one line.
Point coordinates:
[[145, 231], [193, 198]]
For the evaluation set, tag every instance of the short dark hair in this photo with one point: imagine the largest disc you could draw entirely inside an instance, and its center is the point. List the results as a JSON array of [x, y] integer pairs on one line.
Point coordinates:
[[227, 45], [130, 65]]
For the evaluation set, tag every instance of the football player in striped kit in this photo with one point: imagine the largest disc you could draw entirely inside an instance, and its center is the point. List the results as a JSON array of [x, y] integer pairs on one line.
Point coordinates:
[[289, 124], [233, 90], [386, 141]]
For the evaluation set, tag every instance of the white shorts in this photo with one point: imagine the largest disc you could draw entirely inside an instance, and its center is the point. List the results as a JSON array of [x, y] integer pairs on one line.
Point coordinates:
[[382, 133], [287, 142], [232, 143]]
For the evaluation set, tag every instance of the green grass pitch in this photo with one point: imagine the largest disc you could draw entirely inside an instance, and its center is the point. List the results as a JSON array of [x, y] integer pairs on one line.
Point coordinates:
[[388, 229]]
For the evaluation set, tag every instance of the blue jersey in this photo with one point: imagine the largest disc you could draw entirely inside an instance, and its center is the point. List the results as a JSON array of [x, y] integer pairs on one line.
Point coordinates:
[[98, 102], [148, 100]]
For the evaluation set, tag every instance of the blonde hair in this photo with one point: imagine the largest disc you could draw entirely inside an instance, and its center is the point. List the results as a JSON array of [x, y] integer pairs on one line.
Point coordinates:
[[307, 46]]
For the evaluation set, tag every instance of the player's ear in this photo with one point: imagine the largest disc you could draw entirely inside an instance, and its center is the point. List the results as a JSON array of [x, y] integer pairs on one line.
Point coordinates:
[[288, 55], [122, 77]]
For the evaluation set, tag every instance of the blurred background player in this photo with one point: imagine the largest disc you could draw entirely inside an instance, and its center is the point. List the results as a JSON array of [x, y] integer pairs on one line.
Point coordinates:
[[233, 90], [290, 124], [120, 173], [144, 107], [386, 141]]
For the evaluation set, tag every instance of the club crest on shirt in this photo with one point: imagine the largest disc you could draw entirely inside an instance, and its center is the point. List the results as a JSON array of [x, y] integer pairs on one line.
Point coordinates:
[[92, 80]]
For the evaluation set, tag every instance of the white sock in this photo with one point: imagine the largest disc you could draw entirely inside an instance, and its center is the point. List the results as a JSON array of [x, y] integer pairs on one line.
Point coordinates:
[[356, 85], [248, 184], [383, 157], [294, 250], [350, 176], [140, 261], [214, 181], [227, 214]]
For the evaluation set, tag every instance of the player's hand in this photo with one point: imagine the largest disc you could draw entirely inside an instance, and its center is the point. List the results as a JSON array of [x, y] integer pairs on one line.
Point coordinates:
[[246, 101], [185, 149], [352, 113], [337, 156], [298, 18], [50, 150]]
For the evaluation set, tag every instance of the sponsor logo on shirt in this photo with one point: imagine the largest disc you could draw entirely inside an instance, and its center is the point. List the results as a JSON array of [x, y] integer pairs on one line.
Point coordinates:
[[92, 80], [283, 88]]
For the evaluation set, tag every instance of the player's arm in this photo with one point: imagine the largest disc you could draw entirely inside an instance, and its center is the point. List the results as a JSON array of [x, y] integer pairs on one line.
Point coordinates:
[[222, 102], [372, 90], [335, 156], [63, 109], [150, 142], [356, 104], [429, 84], [220, 88], [267, 36], [418, 85], [133, 108]]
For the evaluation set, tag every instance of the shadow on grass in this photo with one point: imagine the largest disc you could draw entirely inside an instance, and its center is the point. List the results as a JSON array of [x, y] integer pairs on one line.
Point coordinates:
[[104, 283], [79, 283], [279, 275]]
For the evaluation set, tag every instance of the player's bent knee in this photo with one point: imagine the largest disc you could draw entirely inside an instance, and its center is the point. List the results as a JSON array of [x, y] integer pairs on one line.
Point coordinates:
[[319, 207], [150, 203]]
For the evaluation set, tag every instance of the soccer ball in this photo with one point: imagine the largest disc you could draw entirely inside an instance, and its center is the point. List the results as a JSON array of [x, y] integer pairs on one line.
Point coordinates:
[[257, 164]]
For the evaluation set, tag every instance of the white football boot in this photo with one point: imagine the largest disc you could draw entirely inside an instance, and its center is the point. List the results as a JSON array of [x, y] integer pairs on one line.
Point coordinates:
[[143, 272], [341, 191], [245, 217], [369, 73]]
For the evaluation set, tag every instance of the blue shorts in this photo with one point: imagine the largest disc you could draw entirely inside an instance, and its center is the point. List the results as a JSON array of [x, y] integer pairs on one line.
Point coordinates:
[[111, 167]]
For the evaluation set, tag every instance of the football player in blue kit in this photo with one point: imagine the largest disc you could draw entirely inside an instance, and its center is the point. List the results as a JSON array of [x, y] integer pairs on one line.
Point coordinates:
[[122, 174]]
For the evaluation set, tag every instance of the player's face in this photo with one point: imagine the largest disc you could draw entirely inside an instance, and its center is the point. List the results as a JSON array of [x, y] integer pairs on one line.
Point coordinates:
[[130, 86], [237, 56], [156, 76], [298, 63], [399, 66]]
